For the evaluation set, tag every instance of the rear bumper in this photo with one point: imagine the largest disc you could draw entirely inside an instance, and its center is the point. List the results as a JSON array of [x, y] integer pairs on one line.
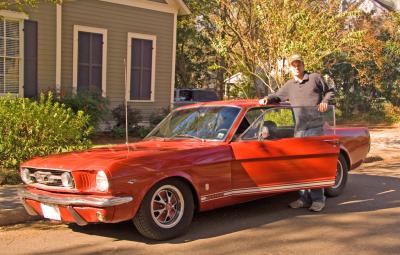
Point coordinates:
[[80, 209]]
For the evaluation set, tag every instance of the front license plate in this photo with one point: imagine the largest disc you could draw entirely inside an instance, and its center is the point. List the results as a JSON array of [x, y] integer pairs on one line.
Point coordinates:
[[50, 212]]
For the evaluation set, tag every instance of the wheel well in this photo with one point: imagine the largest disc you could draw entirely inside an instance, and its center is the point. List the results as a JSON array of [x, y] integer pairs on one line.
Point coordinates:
[[346, 157], [192, 189]]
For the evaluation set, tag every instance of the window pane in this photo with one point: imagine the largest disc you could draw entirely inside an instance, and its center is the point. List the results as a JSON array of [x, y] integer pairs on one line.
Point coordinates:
[[12, 75], [2, 45], [12, 29], [146, 85], [96, 78], [83, 77], [12, 48], [147, 53], [84, 47], [2, 66], [136, 53], [2, 84], [135, 84], [97, 48], [2, 27]]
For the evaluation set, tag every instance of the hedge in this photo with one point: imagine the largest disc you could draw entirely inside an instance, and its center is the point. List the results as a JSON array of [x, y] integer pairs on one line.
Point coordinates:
[[31, 128]]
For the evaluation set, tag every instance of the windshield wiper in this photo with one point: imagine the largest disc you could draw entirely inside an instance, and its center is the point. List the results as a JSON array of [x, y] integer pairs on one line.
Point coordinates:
[[187, 136]]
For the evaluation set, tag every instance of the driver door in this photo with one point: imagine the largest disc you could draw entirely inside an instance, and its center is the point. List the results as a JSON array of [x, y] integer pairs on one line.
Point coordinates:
[[276, 161]]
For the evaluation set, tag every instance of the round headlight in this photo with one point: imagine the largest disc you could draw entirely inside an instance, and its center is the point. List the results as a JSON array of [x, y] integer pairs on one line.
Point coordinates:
[[101, 181], [26, 175], [66, 179]]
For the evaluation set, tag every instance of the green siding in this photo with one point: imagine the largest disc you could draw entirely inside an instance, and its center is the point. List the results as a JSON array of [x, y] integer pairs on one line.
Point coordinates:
[[119, 20], [45, 15]]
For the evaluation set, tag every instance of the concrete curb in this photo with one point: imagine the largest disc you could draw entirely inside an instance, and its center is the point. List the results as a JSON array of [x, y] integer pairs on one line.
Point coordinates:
[[11, 209]]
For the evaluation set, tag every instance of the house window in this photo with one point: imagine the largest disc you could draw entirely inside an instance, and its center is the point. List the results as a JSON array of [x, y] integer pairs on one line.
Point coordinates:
[[10, 56], [90, 59], [141, 67]]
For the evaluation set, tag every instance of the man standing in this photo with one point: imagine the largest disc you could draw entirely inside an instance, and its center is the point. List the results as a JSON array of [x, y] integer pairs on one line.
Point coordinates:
[[305, 89]]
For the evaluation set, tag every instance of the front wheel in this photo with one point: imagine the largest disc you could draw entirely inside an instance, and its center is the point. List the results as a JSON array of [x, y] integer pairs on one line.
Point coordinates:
[[342, 170], [166, 210]]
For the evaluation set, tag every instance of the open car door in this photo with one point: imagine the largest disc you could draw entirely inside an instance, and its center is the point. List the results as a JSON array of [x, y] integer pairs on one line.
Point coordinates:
[[284, 149]]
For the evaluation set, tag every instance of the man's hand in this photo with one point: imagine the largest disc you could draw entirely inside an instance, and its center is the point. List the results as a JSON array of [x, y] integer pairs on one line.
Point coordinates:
[[322, 107], [263, 101]]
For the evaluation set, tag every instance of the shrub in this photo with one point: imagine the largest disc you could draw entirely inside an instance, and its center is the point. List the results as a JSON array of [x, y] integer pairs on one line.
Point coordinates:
[[91, 102], [134, 117], [118, 131], [9, 176], [29, 128], [157, 116], [383, 111], [143, 131]]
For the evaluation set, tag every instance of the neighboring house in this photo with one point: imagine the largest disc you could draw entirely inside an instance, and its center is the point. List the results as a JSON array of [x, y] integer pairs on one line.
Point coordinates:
[[83, 44], [376, 6]]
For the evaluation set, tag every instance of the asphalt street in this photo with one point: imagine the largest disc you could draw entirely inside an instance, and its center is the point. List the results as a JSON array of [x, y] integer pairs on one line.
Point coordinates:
[[364, 220]]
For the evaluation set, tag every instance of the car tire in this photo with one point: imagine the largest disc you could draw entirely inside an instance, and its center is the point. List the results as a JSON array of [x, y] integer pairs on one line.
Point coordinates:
[[342, 170], [166, 210]]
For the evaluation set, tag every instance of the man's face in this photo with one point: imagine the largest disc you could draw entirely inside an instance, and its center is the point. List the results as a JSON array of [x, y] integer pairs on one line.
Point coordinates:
[[297, 68]]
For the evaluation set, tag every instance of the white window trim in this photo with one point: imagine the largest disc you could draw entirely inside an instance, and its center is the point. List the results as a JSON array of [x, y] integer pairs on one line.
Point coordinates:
[[13, 15], [103, 31], [153, 38], [173, 62], [18, 16]]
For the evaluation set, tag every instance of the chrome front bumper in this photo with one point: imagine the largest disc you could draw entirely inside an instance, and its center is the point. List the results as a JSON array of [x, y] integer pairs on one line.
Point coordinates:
[[74, 200], [69, 201]]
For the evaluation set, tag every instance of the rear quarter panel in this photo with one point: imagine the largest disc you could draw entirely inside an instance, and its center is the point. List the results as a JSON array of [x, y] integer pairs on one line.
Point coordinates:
[[356, 142]]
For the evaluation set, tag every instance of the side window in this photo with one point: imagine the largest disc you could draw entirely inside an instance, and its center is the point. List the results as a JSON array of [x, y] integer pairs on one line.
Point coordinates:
[[248, 119], [278, 123], [270, 124]]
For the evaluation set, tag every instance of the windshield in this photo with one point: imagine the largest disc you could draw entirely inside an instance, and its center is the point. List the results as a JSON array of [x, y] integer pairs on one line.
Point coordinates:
[[211, 123]]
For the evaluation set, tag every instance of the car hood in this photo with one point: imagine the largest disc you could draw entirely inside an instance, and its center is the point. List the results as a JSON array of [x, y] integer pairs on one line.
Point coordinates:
[[101, 158]]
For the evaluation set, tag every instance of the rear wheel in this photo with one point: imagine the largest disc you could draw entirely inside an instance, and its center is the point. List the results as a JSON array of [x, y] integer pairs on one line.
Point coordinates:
[[342, 170], [166, 210]]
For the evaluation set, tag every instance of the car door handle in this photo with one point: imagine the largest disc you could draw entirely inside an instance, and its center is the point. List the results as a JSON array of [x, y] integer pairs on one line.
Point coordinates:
[[334, 142]]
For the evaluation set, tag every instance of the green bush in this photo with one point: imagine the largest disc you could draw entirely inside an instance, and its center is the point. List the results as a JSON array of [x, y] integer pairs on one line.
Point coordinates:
[[134, 117], [383, 112], [157, 116], [29, 128], [91, 102], [9, 176]]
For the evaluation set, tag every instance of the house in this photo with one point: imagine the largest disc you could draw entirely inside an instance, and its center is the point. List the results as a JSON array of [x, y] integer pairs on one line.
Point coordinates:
[[85, 44], [376, 6]]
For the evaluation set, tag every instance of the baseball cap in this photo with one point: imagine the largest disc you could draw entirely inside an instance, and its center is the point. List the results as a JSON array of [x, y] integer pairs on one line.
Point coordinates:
[[295, 57]]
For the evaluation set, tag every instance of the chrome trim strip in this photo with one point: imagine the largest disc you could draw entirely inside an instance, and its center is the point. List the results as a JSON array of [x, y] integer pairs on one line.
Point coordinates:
[[267, 189], [78, 219], [75, 200], [46, 168]]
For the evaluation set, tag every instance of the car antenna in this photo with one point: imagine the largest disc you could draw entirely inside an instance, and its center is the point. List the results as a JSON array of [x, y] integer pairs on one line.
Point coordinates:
[[126, 106]]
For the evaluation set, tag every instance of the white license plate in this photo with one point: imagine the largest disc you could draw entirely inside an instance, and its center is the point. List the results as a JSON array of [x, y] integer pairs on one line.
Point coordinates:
[[50, 212]]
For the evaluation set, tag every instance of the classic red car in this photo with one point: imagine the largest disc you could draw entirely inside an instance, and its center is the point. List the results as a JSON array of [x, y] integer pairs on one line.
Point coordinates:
[[200, 157]]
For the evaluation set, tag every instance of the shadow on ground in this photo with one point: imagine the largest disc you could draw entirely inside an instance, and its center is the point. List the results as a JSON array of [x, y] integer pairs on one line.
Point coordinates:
[[364, 193]]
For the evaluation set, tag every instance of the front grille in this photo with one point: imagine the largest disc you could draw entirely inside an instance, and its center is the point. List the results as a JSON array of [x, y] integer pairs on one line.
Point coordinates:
[[48, 177]]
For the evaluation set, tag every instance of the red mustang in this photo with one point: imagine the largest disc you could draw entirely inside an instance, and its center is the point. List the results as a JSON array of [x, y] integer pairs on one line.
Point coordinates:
[[200, 157]]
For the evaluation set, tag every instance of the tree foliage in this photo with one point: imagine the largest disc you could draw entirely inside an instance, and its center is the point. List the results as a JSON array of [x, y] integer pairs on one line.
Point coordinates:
[[20, 5], [359, 51]]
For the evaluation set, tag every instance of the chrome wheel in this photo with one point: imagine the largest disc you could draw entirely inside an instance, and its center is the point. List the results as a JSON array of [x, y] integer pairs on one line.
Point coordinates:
[[167, 206], [339, 175]]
